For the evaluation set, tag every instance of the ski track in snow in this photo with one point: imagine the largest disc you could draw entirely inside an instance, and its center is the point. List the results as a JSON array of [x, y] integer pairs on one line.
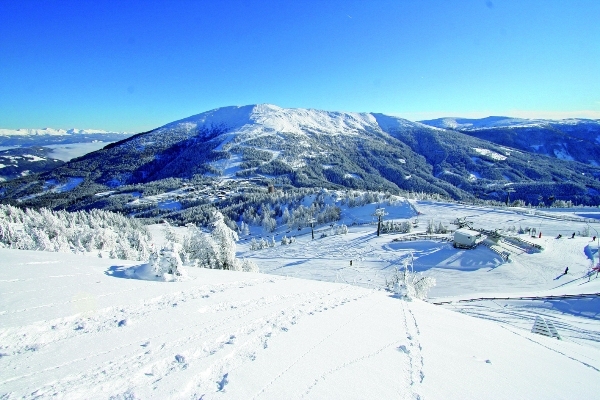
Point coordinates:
[[552, 349]]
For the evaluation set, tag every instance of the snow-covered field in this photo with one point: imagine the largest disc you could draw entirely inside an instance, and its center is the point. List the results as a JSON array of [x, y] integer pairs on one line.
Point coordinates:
[[311, 325]]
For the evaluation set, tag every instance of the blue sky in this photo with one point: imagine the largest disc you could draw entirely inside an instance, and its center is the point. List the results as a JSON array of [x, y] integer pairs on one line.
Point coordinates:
[[136, 65]]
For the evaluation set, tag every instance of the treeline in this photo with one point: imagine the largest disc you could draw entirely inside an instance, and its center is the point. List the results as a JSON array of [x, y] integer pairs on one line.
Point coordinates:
[[99, 232]]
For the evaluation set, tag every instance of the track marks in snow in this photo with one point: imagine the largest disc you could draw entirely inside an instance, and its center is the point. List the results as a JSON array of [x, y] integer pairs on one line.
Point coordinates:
[[338, 368], [413, 350], [319, 343], [552, 349], [199, 353]]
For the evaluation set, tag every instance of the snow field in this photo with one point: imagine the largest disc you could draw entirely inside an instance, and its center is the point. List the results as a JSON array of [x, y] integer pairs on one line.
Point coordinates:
[[224, 334], [73, 326]]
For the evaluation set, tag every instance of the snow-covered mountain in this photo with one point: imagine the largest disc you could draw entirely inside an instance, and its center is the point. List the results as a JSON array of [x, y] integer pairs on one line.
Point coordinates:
[[316, 148], [54, 132], [504, 122], [569, 139]]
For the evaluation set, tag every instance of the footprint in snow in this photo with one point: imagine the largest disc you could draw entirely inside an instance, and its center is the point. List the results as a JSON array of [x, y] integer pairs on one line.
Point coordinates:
[[224, 381], [180, 359], [403, 349]]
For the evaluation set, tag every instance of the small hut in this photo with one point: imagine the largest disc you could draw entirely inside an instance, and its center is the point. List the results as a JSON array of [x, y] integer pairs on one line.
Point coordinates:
[[467, 238]]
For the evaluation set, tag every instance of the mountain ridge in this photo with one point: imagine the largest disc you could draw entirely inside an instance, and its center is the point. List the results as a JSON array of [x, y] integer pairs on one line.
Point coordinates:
[[54, 132], [569, 139], [298, 147]]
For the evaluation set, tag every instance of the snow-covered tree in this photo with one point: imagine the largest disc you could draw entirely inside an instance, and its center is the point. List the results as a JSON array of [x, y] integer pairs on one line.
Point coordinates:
[[201, 248], [244, 230], [170, 261], [225, 239], [268, 223], [169, 232]]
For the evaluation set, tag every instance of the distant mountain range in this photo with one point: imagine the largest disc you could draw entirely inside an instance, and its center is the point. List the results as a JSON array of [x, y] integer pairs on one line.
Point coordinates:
[[30, 151], [315, 148], [568, 139], [55, 132]]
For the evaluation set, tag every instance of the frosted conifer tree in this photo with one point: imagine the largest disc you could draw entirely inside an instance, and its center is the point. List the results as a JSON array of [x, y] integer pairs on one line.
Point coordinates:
[[268, 223], [170, 262], [170, 235], [201, 248], [225, 239]]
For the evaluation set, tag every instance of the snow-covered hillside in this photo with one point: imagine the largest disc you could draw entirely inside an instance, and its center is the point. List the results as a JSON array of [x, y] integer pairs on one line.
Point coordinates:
[[265, 118], [568, 139], [73, 326]]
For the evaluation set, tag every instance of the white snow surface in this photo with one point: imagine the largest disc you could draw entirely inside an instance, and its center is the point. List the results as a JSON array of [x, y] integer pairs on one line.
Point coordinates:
[[73, 326], [489, 153], [268, 118]]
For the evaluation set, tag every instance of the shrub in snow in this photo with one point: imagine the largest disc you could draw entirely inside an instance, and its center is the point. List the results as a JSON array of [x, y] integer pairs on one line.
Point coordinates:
[[408, 285], [246, 265], [169, 260], [585, 232], [287, 240]]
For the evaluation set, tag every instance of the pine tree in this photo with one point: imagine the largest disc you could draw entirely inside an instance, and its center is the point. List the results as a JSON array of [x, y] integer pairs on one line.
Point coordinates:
[[225, 239]]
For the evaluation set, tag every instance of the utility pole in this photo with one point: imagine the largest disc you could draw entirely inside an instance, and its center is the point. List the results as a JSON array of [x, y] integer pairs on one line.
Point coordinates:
[[312, 229], [379, 213]]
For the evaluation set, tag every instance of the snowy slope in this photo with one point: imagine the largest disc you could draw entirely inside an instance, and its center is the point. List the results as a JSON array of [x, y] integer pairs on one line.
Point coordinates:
[[568, 139], [271, 118], [74, 327]]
